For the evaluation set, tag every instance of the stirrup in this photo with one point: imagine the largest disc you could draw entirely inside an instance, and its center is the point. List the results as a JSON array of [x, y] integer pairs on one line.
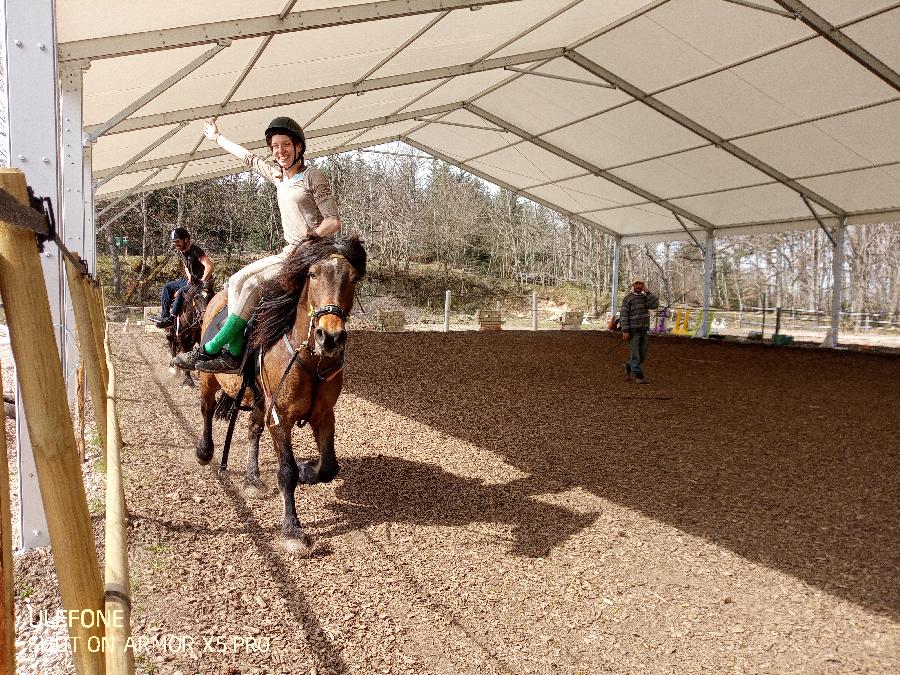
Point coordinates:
[[222, 363]]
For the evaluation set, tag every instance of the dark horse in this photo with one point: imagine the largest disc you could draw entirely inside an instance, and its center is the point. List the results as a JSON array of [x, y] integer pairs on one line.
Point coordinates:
[[300, 330], [185, 332]]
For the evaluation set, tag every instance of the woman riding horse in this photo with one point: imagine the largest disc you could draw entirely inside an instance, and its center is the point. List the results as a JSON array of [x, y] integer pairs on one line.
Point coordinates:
[[307, 209], [301, 334]]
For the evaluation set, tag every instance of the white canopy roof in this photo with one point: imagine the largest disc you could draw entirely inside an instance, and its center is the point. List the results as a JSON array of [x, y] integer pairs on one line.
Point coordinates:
[[639, 118]]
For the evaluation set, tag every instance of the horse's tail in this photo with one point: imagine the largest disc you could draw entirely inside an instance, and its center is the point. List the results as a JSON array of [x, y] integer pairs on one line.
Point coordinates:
[[224, 406]]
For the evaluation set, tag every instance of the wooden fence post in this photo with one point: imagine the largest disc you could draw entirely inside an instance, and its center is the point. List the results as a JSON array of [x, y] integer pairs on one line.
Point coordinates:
[[50, 427], [8, 618], [119, 660], [81, 295], [98, 321]]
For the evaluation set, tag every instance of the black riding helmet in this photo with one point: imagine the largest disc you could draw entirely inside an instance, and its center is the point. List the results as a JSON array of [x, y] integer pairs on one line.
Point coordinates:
[[180, 233], [288, 127]]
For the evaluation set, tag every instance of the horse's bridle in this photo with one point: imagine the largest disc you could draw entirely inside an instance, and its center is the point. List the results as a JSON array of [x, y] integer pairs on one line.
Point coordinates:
[[316, 314], [316, 376]]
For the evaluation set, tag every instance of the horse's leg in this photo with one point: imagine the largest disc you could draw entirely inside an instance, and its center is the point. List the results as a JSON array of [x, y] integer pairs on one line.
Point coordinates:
[[325, 468], [188, 381], [253, 484], [287, 482], [209, 387]]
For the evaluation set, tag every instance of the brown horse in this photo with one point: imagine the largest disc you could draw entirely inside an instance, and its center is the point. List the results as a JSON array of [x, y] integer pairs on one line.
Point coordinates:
[[300, 330], [185, 332]]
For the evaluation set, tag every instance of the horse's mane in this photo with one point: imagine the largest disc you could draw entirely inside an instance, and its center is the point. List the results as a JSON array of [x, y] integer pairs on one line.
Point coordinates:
[[280, 295]]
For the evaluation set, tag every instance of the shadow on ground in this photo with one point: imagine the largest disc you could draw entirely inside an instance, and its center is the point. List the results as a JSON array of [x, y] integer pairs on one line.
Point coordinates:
[[790, 458], [379, 489]]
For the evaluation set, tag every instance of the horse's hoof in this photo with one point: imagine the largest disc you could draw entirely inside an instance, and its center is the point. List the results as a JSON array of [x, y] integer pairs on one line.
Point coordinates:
[[188, 382], [204, 456], [297, 541], [255, 489], [328, 473], [308, 473]]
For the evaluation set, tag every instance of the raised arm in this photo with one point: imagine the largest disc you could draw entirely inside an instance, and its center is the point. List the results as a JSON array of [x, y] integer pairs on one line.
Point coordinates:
[[211, 131]]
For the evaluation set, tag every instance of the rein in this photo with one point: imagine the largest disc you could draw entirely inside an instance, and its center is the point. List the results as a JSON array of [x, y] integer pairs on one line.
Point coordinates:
[[316, 375]]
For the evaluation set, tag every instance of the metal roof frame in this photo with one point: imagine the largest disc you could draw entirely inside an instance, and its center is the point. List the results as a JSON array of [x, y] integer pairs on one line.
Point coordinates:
[[587, 166], [701, 131], [318, 93], [506, 186], [842, 41], [364, 125], [173, 38]]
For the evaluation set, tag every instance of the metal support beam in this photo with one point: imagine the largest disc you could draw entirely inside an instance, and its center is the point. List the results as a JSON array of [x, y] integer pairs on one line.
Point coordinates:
[[124, 194], [150, 148], [496, 181], [689, 233], [233, 171], [33, 127], [709, 257], [374, 69], [71, 210], [843, 42], [604, 85], [763, 8], [238, 29], [90, 215], [614, 283], [701, 131], [112, 219], [458, 124], [310, 134], [291, 98], [818, 220], [173, 79], [837, 281], [587, 166]]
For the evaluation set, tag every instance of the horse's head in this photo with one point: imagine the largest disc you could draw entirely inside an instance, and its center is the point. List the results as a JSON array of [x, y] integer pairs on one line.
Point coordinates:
[[331, 284], [313, 292]]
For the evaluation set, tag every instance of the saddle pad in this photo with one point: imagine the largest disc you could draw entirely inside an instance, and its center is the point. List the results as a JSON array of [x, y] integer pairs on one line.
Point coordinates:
[[213, 327]]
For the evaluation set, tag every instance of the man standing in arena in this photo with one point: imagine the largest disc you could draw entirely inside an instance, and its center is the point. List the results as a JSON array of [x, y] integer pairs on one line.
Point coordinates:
[[635, 318]]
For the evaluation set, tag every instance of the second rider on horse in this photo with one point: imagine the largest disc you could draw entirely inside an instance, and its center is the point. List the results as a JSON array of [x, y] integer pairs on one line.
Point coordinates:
[[198, 269], [307, 209]]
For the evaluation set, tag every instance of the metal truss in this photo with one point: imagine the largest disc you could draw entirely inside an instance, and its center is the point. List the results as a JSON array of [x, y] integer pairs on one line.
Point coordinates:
[[118, 196], [238, 29], [701, 131], [310, 134], [843, 42], [101, 129], [496, 181], [587, 166], [290, 98]]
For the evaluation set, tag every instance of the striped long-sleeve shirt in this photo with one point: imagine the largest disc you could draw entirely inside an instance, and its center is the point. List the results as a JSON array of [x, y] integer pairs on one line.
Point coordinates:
[[635, 312]]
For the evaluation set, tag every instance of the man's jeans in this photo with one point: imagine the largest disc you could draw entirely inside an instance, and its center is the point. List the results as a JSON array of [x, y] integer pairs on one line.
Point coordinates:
[[637, 349], [168, 291]]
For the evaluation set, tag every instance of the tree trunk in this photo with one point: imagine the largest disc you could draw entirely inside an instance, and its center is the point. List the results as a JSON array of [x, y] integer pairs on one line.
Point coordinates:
[[114, 255]]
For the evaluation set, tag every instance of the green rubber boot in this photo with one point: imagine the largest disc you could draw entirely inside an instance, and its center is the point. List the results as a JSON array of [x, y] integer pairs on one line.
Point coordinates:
[[231, 332]]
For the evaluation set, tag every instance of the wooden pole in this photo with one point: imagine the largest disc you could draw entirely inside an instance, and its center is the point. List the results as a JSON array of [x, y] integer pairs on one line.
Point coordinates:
[[82, 296], [79, 404], [101, 332], [119, 660], [8, 617], [52, 436], [98, 321]]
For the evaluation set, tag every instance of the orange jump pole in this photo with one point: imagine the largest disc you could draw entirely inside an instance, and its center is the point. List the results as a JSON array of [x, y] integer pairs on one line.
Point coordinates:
[[52, 436]]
